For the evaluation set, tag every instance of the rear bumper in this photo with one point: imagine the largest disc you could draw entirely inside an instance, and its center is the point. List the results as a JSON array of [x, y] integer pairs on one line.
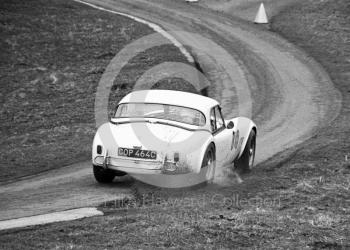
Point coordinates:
[[136, 166]]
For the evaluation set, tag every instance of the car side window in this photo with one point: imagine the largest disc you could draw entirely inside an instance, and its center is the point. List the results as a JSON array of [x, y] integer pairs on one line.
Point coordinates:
[[212, 120], [218, 118]]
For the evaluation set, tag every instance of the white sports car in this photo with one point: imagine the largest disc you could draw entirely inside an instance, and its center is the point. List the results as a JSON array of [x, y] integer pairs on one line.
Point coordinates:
[[159, 134]]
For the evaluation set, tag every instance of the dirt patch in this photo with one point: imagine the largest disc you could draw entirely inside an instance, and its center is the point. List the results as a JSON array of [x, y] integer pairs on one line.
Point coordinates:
[[53, 55]]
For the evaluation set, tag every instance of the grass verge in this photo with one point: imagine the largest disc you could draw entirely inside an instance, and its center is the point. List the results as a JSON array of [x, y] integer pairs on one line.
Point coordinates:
[[53, 54]]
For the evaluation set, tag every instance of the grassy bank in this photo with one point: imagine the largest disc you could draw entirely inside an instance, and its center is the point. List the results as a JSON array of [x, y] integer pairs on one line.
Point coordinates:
[[53, 53]]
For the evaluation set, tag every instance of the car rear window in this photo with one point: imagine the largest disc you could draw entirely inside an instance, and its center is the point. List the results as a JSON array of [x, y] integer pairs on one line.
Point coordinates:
[[161, 111]]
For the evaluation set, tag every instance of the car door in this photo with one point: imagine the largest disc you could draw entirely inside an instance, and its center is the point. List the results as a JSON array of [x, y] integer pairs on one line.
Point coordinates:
[[222, 136]]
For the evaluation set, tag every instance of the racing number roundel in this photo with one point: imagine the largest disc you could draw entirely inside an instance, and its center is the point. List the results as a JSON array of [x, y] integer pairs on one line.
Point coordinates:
[[235, 139]]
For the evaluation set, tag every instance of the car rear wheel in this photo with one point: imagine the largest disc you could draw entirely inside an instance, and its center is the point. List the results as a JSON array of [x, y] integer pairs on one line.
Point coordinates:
[[103, 175], [209, 157], [246, 162], [209, 161], [119, 173]]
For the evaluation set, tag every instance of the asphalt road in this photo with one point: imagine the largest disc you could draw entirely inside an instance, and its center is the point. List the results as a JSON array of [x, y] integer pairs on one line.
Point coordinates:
[[255, 74]]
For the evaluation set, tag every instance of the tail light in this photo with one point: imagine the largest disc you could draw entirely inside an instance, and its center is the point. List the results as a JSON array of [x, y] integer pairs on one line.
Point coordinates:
[[176, 157], [99, 149]]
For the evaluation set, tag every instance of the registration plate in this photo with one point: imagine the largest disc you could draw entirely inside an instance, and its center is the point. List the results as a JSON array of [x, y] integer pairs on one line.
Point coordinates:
[[137, 153]]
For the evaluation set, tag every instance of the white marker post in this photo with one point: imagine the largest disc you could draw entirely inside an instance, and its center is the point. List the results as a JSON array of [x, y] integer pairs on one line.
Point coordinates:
[[261, 15]]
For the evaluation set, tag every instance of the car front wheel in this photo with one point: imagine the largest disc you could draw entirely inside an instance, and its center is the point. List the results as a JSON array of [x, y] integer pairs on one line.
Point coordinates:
[[246, 161]]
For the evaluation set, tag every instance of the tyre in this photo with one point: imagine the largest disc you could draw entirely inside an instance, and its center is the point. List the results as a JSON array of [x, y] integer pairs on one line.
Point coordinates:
[[119, 173], [209, 161], [246, 161], [209, 156], [103, 175]]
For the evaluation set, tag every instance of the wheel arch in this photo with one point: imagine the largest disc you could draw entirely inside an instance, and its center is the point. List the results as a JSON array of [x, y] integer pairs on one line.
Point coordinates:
[[203, 150], [245, 126], [255, 130], [214, 146]]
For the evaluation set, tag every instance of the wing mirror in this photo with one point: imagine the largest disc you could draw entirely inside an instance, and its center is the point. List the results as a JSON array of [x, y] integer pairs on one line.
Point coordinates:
[[230, 125]]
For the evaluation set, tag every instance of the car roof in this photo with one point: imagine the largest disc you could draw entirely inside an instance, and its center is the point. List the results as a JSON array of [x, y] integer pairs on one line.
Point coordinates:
[[171, 97]]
